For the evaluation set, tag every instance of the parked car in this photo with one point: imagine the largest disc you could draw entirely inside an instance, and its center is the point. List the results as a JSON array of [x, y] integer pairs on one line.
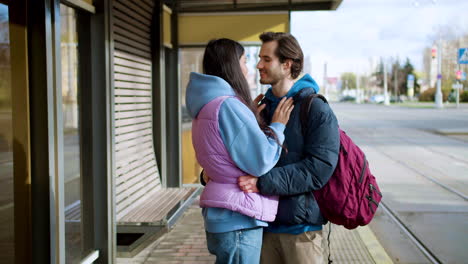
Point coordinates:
[[347, 98], [377, 99], [396, 99]]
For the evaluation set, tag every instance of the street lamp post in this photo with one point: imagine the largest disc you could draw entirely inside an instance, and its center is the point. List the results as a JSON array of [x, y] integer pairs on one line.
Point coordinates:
[[358, 90], [386, 99], [395, 82]]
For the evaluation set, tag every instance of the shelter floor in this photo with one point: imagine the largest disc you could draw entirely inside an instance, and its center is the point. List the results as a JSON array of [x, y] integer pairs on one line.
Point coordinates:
[[186, 243]]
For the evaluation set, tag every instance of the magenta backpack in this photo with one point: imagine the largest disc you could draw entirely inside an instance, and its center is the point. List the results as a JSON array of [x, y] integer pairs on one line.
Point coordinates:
[[351, 196]]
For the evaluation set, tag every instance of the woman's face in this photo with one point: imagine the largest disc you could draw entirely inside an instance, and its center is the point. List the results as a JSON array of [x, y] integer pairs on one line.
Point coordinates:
[[243, 65]]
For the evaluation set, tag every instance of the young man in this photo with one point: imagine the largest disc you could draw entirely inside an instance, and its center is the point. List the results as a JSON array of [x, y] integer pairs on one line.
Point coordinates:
[[310, 159]]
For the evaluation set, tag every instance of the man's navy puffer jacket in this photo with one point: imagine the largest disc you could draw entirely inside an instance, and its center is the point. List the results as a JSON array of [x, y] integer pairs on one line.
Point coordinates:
[[308, 163]]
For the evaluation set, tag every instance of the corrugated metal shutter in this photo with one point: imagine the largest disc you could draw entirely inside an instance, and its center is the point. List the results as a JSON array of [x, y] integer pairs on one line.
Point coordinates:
[[137, 173]]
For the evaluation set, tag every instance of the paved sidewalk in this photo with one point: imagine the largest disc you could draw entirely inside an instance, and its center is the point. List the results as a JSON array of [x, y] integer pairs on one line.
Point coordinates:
[[186, 243]]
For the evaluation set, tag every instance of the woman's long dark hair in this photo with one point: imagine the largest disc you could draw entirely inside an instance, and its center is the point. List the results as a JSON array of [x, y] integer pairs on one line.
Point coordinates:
[[221, 59]]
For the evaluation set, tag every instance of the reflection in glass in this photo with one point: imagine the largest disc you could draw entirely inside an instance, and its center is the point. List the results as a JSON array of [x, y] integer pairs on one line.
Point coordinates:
[[71, 137], [190, 61], [253, 78], [6, 144]]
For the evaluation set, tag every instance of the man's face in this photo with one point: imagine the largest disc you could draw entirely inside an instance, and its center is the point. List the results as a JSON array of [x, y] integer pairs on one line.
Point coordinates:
[[270, 68]]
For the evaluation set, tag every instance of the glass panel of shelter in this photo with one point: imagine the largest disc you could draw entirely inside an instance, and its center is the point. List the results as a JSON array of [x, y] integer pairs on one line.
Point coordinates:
[[71, 138], [7, 244]]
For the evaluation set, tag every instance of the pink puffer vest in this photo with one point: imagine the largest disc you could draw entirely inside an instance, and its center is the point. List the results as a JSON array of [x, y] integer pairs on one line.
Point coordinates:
[[222, 190]]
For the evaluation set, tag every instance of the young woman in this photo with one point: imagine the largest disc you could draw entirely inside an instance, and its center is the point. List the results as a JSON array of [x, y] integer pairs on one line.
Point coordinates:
[[231, 140]]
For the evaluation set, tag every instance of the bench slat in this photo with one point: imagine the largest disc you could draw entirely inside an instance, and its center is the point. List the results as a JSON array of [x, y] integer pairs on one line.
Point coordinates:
[[126, 205], [132, 151], [154, 209], [128, 188], [124, 182], [126, 161]]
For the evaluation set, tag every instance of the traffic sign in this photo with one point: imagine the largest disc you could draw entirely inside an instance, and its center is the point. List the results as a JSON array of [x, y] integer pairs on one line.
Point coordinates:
[[332, 80], [410, 85], [463, 56]]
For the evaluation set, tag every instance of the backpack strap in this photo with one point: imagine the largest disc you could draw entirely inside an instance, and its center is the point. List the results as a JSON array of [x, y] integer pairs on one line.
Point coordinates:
[[305, 109], [304, 117]]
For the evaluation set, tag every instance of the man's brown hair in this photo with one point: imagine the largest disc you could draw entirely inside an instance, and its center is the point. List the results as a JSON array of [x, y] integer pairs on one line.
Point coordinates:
[[288, 48]]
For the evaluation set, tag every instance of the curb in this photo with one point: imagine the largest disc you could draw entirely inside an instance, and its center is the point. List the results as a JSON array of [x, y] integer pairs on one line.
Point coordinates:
[[373, 246], [451, 131]]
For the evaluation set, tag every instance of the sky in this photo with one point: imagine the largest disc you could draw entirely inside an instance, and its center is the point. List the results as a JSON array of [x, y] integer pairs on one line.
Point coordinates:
[[347, 39]]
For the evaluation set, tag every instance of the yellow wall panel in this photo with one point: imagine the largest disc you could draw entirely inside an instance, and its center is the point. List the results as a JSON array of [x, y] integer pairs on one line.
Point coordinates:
[[199, 29], [167, 41], [190, 167]]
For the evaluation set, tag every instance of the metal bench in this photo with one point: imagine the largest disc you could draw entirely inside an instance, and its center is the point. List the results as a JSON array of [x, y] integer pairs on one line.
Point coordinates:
[[73, 212], [161, 208]]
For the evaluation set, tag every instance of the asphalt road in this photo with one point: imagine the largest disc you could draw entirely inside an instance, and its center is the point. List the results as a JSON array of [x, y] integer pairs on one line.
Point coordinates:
[[407, 154]]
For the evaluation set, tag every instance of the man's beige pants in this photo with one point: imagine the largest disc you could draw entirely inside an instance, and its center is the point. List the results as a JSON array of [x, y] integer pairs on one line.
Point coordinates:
[[305, 248]]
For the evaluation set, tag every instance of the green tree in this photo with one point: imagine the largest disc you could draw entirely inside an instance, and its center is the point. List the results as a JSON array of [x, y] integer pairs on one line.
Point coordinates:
[[348, 79], [407, 69], [400, 73], [379, 74], [396, 73]]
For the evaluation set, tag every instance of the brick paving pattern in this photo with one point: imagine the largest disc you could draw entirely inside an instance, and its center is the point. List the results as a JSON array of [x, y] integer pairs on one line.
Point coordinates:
[[185, 243]]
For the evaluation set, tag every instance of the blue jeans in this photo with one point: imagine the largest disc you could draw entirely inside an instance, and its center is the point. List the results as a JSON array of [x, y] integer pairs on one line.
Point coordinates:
[[236, 247]]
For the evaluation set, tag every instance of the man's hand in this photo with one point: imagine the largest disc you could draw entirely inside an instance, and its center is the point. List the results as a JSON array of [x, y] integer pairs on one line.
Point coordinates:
[[248, 184], [283, 111], [257, 101]]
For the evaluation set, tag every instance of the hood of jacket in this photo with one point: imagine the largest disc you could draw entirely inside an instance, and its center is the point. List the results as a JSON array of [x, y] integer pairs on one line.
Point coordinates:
[[306, 82], [202, 89]]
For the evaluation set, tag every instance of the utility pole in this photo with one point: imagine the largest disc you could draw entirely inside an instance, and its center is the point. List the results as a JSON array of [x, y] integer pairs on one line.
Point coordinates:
[[395, 82], [358, 91], [386, 99], [438, 95], [325, 83], [459, 85]]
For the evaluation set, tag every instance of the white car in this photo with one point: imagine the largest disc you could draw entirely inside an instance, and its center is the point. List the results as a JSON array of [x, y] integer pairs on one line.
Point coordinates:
[[378, 99]]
